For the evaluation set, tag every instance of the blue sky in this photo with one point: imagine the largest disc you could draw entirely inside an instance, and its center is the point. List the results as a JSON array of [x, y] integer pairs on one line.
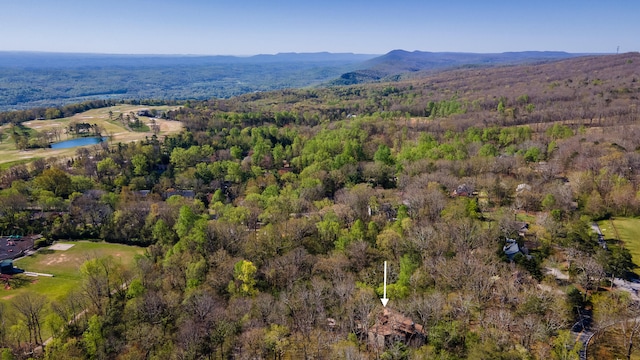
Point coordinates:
[[248, 27]]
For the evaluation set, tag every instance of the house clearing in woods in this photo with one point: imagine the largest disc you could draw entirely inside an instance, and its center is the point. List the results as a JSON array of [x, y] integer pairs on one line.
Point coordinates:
[[391, 327]]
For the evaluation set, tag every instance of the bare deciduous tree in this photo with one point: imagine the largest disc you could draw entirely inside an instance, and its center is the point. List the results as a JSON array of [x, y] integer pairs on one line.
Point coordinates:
[[30, 306]]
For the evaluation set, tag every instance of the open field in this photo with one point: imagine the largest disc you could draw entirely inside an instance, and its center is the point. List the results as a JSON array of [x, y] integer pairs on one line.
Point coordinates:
[[64, 265], [626, 230], [9, 152]]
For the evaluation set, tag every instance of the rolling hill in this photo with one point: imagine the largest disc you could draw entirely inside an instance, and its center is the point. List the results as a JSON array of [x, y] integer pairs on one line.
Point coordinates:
[[400, 63]]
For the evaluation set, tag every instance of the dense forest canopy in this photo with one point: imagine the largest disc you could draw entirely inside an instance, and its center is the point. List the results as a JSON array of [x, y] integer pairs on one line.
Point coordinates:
[[267, 220]]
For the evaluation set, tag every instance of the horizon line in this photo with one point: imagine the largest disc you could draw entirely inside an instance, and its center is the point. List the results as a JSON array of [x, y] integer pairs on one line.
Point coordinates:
[[44, 52]]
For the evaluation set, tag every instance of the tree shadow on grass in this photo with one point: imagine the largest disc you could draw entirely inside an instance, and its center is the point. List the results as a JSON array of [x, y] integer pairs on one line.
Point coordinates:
[[18, 281]]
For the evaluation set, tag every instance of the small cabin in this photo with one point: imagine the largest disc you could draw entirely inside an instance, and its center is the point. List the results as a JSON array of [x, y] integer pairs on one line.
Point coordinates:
[[462, 190]]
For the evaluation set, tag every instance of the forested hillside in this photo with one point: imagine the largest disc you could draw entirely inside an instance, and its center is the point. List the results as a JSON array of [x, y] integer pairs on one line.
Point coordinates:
[[268, 220], [399, 64]]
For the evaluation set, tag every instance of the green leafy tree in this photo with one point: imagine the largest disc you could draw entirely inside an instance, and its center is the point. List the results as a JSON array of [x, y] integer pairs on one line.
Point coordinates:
[[135, 289], [559, 131], [52, 113], [462, 207], [186, 220], [390, 241], [548, 202], [72, 349], [448, 337], [383, 155], [236, 152], [162, 233], [93, 338], [329, 228], [501, 108], [244, 279], [56, 181], [523, 99], [488, 150], [532, 154], [277, 340], [357, 231], [81, 183], [140, 164], [401, 288], [6, 354], [107, 169], [565, 347], [196, 272], [278, 154]]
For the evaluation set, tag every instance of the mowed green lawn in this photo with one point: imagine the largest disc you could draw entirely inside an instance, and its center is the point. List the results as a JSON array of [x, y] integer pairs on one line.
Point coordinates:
[[628, 231], [65, 266]]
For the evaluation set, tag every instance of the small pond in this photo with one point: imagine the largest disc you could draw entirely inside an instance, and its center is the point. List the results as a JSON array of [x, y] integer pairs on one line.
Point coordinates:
[[78, 142]]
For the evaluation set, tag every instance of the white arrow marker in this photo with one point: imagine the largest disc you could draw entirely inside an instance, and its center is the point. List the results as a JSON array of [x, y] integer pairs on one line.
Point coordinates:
[[384, 287]]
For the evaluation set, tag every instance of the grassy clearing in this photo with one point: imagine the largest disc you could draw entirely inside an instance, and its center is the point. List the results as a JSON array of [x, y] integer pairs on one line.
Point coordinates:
[[526, 217], [7, 165], [626, 230], [9, 152], [65, 265]]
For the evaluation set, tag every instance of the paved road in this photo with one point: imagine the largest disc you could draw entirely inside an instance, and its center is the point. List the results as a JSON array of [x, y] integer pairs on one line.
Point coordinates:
[[596, 229], [584, 337], [581, 331], [632, 288], [557, 273]]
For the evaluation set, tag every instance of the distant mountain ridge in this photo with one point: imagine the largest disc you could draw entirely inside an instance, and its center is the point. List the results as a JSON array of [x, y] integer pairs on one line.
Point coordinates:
[[24, 59], [400, 62], [40, 79]]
